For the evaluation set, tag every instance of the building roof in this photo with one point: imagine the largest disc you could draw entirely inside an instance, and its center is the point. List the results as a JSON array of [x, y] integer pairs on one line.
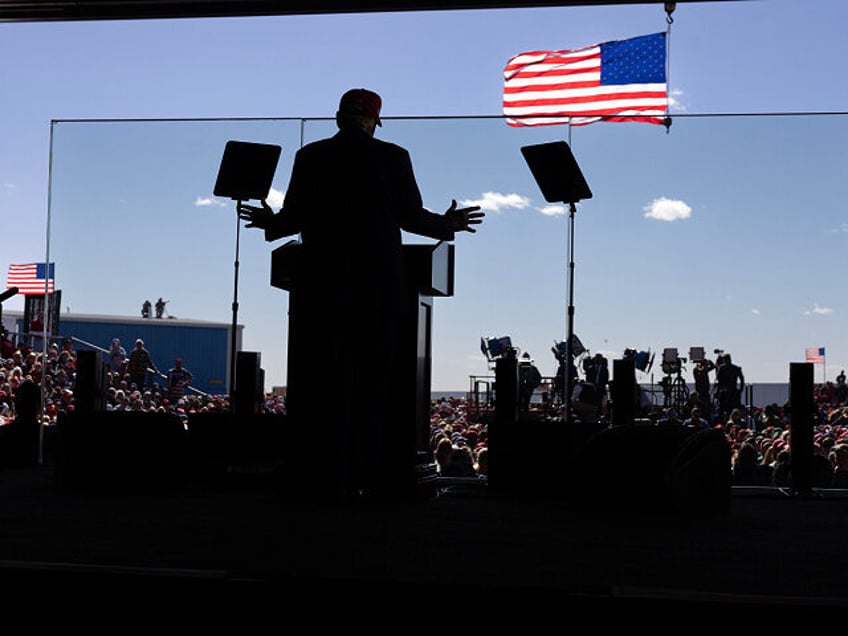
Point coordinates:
[[114, 318]]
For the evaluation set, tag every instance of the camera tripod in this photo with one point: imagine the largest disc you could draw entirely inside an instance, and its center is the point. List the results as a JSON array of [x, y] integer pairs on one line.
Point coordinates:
[[675, 391]]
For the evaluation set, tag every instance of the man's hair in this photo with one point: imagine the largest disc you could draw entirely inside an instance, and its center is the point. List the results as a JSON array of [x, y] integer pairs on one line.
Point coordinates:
[[346, 121]]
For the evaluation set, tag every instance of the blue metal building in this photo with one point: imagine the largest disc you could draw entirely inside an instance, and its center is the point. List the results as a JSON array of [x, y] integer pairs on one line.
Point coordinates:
[[203, 346]]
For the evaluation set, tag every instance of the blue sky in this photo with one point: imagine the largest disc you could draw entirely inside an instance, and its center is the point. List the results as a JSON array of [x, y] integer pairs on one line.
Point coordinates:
[[727, 232]]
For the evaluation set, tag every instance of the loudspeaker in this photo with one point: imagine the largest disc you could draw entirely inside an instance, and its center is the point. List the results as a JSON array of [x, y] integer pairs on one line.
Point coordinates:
[[655, 468], [623, 392], [218, 441], [502, 432], [801, 415], [249, 384], [90, 382], [120, 449], [19, 438]]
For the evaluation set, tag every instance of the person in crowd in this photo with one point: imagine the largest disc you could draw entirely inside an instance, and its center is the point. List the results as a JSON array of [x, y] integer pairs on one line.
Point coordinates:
[[747, 469], [585, 401], [529, 377], [840, 392], [596, 371], [839, 458], [117, 355], [481, 465], [444, 448], [701, 374], [736, 421], [694, 401], [460, 462], [178, 379], [7, 347], [730, 382], [769, 417], [140, 364], [781, 468], [696, 420], [560, 390], [669, 416]]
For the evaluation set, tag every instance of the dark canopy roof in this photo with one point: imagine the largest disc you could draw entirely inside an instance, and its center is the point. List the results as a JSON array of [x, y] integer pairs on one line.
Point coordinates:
[[47, 10]]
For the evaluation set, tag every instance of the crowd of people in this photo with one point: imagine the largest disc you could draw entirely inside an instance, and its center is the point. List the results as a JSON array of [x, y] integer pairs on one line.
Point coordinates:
[[132, 382], [759, 440], [758, 437], [459, 441]]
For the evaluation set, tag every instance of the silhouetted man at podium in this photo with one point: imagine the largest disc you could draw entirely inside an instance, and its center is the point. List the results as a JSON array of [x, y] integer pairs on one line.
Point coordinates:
[[349, 197]]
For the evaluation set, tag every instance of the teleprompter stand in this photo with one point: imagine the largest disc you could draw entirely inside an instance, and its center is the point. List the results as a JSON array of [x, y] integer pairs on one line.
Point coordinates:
[[246, 172], [5, 295], [559, 178]]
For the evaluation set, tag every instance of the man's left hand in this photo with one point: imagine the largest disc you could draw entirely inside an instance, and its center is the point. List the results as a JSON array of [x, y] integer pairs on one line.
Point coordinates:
[[463, 218]]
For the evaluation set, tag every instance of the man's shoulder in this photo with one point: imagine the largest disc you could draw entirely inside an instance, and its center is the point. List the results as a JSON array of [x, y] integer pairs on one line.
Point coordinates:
[[314, 146], [390, 148]]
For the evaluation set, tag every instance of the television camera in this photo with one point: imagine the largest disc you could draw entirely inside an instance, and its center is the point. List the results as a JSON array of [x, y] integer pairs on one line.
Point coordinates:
[[672, 363]]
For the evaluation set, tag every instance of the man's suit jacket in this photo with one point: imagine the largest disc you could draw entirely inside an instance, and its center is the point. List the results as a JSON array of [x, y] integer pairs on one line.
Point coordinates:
[[349, 197]]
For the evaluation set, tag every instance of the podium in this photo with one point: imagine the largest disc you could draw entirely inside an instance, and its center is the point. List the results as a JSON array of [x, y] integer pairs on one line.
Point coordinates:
[[429, 274]]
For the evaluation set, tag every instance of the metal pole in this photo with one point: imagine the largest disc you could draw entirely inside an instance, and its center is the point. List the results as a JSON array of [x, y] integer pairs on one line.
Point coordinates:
[[46, 297], [569, 361], [235, 313]]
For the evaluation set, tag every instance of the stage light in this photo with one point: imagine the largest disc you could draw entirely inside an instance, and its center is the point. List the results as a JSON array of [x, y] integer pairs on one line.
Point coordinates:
[[560, 349], [494, 348], [642, 360]]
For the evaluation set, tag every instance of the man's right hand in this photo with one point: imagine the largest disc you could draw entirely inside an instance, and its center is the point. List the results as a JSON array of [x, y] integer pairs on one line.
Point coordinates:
[[256, 216]]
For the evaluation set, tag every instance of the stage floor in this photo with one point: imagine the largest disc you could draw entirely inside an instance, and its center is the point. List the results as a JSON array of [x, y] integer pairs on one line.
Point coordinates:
[[238, 540]]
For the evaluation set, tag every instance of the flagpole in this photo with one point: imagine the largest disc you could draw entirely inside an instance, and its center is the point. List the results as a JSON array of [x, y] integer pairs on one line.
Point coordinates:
[[46, 307]]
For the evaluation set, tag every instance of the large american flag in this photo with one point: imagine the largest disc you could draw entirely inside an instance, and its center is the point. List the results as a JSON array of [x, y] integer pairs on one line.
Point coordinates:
[[815, 355], [30, 279], [622, 80]]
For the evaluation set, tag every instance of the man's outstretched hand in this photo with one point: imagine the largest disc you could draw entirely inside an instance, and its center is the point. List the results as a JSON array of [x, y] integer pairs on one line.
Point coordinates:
[[256, 216], [462, 219]]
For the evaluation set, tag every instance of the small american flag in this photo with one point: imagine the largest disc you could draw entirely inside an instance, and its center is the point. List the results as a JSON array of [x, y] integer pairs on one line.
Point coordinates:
[[32, 278], [815, 355], [622, 80]]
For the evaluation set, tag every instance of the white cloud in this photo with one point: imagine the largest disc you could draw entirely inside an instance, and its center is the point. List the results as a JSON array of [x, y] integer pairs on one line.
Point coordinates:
[[756, 312], [664, 209], [275, 199], [818, 311], [202, 202], [674, 102], [554, 210], [497, 202]]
